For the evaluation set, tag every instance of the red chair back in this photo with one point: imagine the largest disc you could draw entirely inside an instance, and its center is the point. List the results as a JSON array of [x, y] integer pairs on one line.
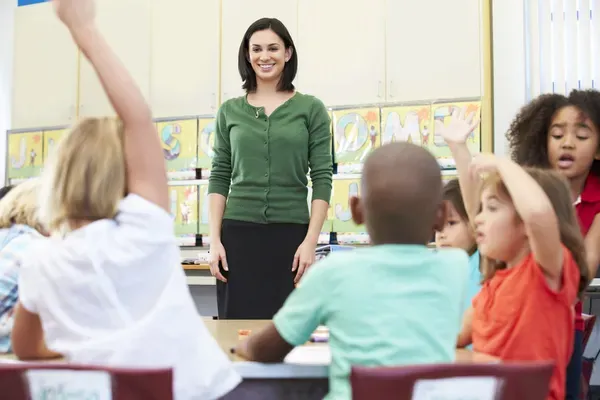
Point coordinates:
[[514, 381], [48, 380], [589, 321]]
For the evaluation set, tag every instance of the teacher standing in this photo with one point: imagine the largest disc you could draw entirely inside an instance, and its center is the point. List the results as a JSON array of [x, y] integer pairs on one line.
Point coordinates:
[[261, 232]]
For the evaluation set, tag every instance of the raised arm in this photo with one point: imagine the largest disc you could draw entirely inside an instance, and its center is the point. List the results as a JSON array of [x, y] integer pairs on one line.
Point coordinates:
[[534, 208], [146, 173], [455, 134]]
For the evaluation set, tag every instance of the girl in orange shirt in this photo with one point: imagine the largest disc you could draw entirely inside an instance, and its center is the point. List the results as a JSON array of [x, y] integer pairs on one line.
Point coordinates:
[[533, 262]]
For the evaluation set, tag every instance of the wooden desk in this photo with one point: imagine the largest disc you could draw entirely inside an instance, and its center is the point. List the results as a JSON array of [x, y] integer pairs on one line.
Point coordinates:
[[226, 334], [195, 267]]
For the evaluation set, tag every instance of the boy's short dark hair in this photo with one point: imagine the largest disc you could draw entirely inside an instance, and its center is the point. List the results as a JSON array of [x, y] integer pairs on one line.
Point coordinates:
[[402, 194], [291, 66]]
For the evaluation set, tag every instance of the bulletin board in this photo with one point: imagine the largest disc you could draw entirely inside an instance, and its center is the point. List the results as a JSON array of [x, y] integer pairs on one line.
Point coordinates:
[[179, 141]]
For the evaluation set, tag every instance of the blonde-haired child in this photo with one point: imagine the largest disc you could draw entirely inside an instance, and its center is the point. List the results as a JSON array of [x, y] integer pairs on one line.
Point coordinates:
[[108, 288], [534, 258], [20, 228]]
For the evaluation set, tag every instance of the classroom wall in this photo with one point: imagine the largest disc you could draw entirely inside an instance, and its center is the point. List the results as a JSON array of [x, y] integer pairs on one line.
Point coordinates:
[[6, 68], [509, 66]]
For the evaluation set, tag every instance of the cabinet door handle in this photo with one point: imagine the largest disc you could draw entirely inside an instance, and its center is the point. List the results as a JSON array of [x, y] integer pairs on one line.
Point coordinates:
[[391, 88], [213, 101], [379, 87]]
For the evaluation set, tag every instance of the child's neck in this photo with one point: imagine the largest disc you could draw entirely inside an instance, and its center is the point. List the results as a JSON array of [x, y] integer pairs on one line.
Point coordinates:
[[576, 184]]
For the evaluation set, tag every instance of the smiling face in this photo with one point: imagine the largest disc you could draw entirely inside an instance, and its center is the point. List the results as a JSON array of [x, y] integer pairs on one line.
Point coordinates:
[[572, 143], [499, 232], [267, 55], [456, 232]]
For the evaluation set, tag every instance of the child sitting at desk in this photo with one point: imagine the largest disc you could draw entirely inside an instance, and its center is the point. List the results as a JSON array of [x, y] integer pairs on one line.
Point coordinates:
[[394, 303], [108, 288]]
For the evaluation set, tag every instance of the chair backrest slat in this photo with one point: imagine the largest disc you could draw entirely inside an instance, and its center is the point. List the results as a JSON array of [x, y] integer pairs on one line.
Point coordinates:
[[510, 381], [19, 380]]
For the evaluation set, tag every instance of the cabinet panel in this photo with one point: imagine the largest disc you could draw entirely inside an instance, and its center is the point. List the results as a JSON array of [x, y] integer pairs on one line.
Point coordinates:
[[45, 69], [433, 49], [126, 25], [185, 51], [341, 50], [236, 18]]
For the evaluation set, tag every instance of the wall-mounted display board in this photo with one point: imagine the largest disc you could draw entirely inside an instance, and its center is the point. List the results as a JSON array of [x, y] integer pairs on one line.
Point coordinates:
[[179, 140], [356, 132], [25, 155]]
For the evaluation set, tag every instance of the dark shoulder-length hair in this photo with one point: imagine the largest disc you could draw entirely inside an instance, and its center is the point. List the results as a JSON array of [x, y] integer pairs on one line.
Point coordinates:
[[291, 66]]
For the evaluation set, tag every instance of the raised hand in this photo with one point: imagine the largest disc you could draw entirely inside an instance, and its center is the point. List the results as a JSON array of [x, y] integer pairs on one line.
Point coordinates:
[[75, 14], [484, 164], [459, 128]]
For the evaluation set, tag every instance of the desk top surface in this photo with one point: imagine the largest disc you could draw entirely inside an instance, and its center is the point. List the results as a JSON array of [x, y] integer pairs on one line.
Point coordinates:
[[226, 333]]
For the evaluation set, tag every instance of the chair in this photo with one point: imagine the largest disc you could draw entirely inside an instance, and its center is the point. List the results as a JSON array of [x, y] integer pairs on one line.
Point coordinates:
[[587, 364], [53, 380], [516, 381]]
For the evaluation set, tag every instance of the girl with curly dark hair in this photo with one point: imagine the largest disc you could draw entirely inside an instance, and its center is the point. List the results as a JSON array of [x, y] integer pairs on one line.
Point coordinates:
[[563, 133]]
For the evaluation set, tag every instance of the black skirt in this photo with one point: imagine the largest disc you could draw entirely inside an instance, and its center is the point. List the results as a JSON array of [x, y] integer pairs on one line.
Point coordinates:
[[260, 277]]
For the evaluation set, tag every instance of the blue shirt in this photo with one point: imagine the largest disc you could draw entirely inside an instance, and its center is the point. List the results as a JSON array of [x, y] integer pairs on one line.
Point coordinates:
[[473, 280], [14, 242], [383, 305]]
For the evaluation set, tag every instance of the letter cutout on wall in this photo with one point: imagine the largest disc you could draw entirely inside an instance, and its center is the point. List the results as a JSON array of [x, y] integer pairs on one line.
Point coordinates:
[[356, 133], [179, 141], [206, 142], [406, 124], [25, 155]]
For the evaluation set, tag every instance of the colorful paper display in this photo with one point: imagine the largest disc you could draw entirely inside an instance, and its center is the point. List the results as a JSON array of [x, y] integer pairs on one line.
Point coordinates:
[[406, 124], [25, 155], [203, 207], [206, 142], [343, 190], [51, 139], [356, 133], [179, 141], [184, 208], [442, 112]]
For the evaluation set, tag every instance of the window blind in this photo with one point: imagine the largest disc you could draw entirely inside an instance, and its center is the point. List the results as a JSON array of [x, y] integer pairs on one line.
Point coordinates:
[[562, 45]]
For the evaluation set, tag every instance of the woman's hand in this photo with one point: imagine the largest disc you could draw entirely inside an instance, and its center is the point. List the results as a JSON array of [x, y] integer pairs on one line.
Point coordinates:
[[304, 258], [459, 128], [75, 14], [216, 254]]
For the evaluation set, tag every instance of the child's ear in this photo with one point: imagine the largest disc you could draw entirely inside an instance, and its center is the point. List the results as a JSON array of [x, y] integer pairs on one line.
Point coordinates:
[[357, 212], [441, 215]]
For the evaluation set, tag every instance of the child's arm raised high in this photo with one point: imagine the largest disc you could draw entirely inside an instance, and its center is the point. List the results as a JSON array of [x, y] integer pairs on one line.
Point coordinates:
[[146, 173], [455, 134], [535, 210]]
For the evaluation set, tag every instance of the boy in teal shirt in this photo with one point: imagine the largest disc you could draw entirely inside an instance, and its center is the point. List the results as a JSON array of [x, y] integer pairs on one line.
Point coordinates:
[[394, 303]]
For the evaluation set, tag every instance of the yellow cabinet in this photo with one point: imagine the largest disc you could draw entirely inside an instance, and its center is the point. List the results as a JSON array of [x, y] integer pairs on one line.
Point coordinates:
[[184, 57], [45, 70], [433, 49], [341, 49], [126, 25]]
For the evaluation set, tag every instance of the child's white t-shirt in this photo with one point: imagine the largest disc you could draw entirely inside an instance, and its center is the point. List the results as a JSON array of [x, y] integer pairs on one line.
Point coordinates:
[[113, 293]]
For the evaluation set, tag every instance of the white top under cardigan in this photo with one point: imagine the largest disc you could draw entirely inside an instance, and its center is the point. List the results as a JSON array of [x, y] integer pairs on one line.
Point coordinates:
[[113, 293]]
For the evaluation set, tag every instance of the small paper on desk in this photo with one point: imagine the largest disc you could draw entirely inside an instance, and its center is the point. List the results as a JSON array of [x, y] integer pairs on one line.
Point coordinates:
[[309, 355]]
